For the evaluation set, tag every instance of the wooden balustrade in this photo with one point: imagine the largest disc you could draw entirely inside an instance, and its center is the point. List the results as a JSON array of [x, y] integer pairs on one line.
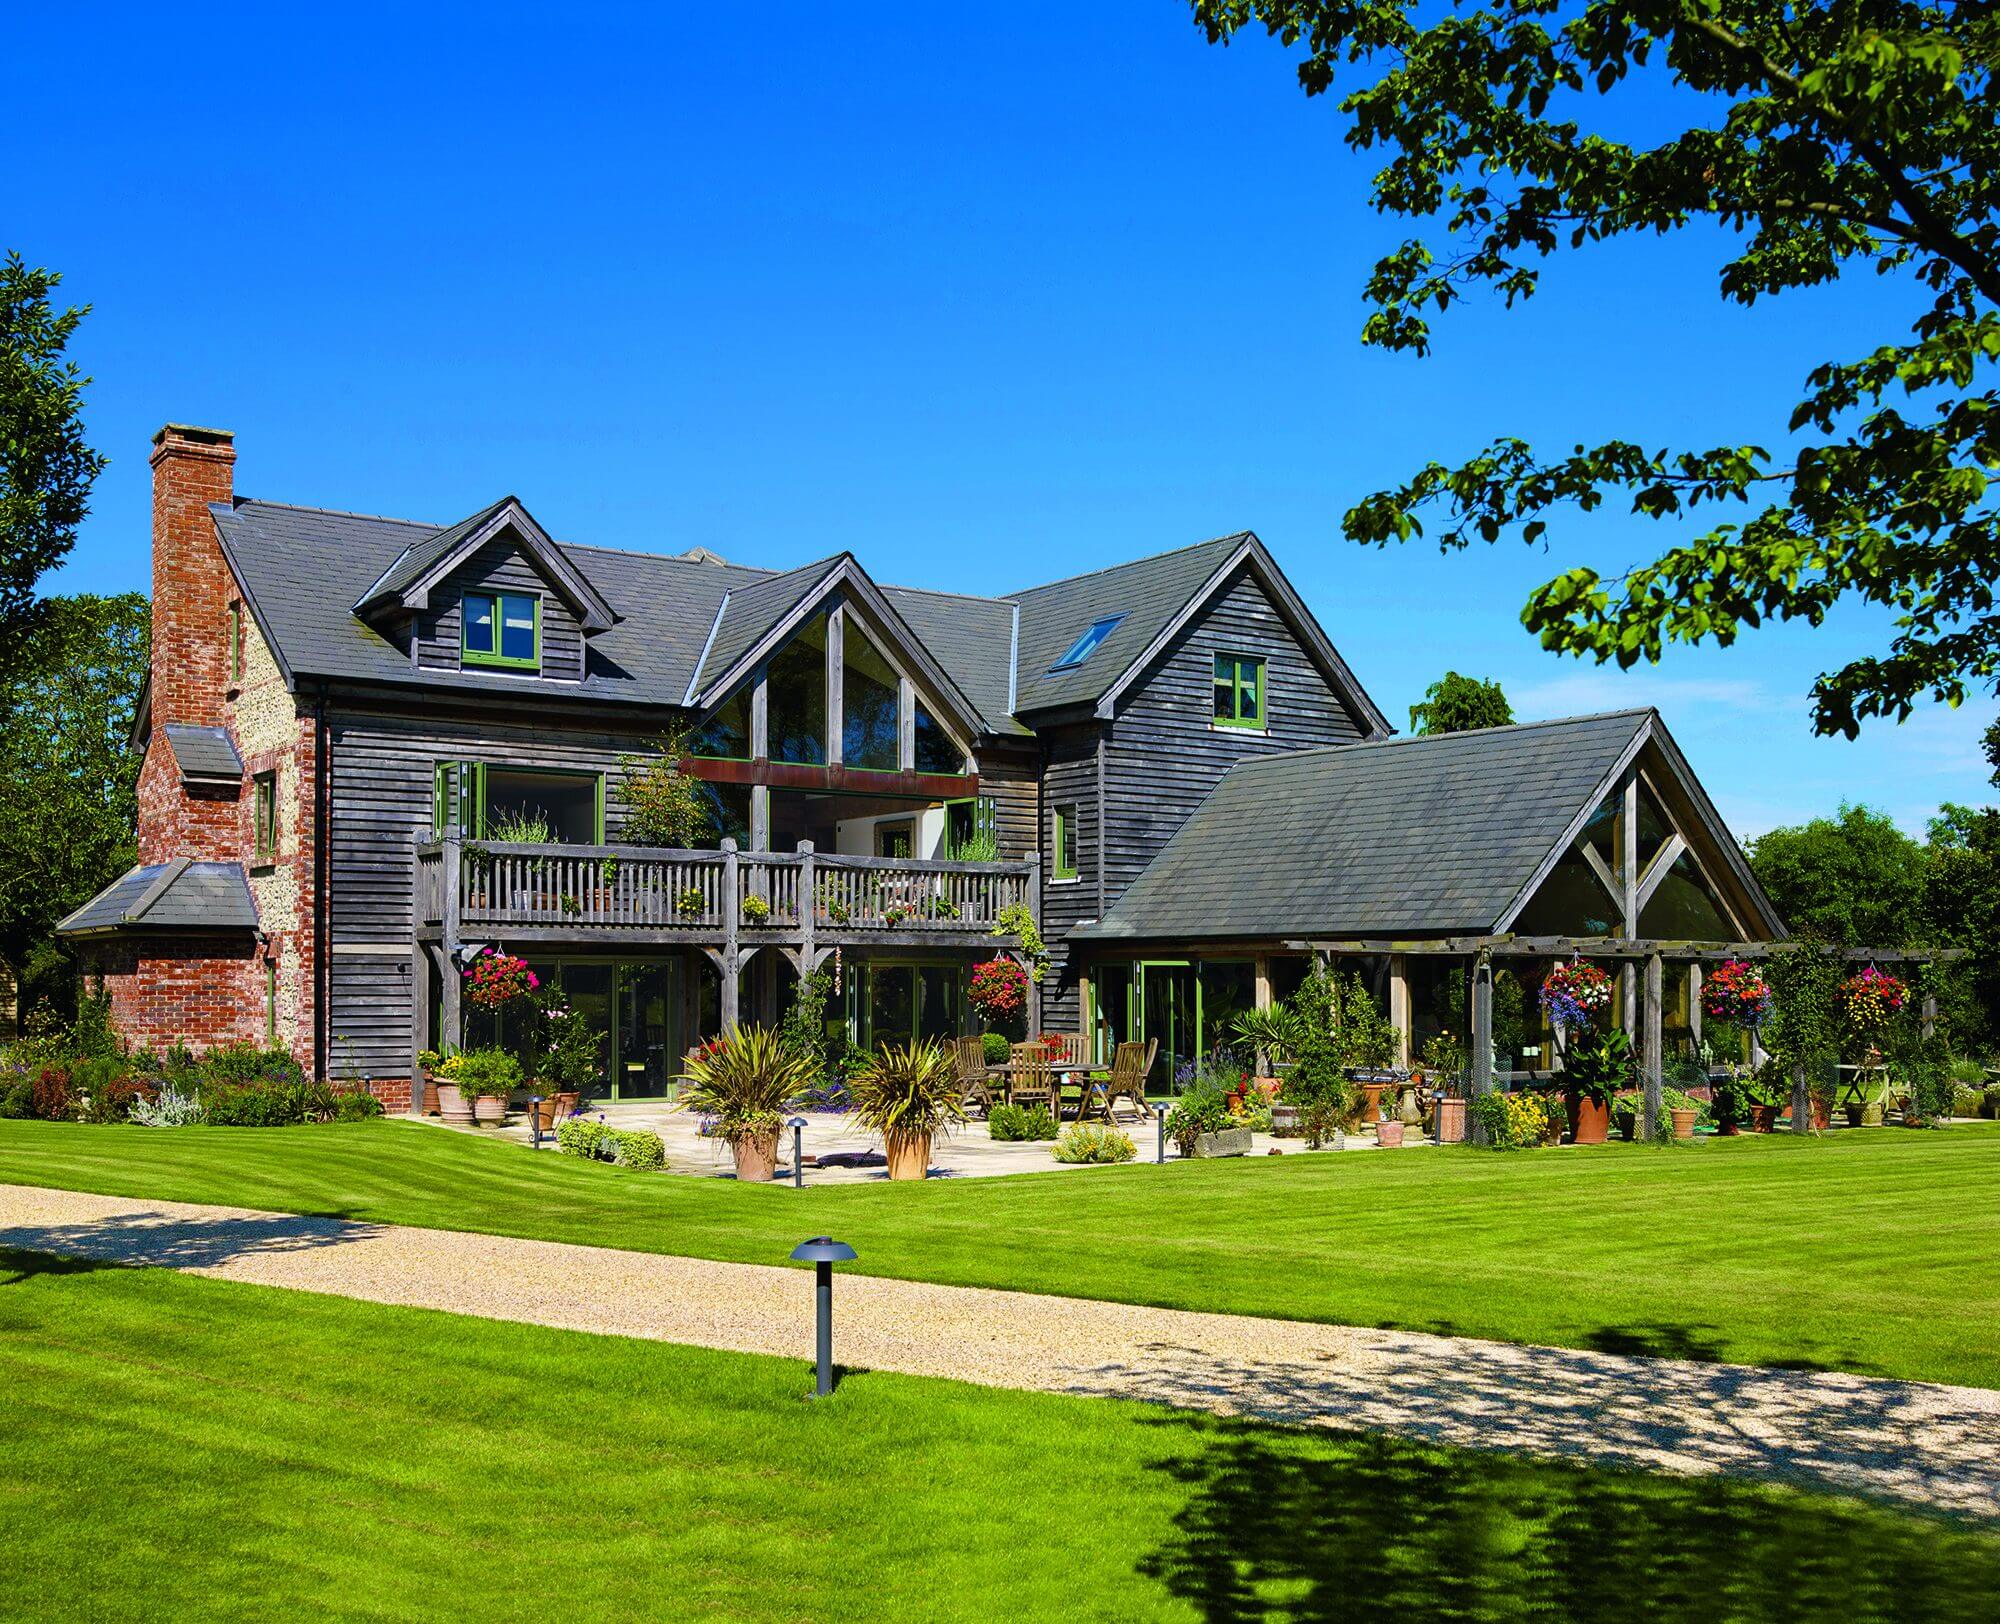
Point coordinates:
[[608, 890]]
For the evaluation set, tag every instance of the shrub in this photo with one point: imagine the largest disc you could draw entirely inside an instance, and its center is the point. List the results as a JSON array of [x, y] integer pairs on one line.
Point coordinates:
[[908, 1091], [355, 1105], [483, 1072], [1087, 1142], [1203, 1109], [267, 1105], [17, 1098], [169, 1108], [582, 1136], [744, 1081], [50, 1098], [1517, 1121], [638, 1148], [1965, 1102], [239, 1063], [1989, 1102], [1012, 1123], [994, 1048]]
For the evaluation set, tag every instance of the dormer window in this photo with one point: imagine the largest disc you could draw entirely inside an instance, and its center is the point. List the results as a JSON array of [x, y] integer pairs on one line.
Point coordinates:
[[502, 628], [1086, 645]]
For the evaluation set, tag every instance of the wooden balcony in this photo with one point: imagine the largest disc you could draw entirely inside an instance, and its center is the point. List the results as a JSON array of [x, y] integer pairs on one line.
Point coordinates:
[[472, 891]]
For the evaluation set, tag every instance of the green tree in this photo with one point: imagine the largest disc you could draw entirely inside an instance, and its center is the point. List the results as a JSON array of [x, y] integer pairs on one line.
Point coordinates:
[[1824, 139], [664, 806], [1456, 704], [1961, 908], [46, 470], [68, 775], [1854, 879]]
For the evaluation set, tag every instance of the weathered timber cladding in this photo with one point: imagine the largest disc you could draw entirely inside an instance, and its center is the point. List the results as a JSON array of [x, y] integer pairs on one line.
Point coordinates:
[[499, 567], [1010, 777], [1069, 778], [1163, 754]]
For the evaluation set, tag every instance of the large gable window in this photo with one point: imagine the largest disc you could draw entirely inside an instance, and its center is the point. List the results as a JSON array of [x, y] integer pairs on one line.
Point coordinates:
[[937, 750], [796, 697], [725, 733], [868, 703], [501, 628]]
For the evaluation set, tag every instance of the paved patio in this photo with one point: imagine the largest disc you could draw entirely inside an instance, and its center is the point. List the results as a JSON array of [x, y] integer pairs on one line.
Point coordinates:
[[970, 1152]]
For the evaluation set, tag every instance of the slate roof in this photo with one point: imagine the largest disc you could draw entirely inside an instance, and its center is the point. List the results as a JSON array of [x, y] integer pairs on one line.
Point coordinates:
[[973, 639], [1148, 592], [749, 612], [422, 554], [179, 895], [1428, 835], [204, 754]]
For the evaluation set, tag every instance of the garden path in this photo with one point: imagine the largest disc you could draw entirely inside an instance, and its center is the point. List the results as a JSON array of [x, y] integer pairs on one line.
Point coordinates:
[[1932, 1445]]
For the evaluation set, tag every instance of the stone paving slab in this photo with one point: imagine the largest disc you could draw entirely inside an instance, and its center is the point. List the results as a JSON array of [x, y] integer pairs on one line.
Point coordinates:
[[1928, 1444]]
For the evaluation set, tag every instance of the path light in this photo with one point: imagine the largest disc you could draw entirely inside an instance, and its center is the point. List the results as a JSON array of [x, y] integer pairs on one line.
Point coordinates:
[[823, 1252], [798, 1127], [535, 1118], [1160, 1125]]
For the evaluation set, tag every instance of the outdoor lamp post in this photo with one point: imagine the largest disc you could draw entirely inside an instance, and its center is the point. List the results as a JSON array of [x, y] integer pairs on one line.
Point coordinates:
[[1160, 1127], [798, 1127], [535, 1119], [823, 1252]]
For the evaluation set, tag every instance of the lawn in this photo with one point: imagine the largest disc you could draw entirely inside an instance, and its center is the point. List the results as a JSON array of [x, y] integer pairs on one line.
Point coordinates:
[[178, 1447], [1869, 1252]]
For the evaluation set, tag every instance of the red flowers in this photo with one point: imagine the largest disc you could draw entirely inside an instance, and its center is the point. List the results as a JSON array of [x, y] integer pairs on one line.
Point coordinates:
[[999, 989], [496, 978], [1738, 992]]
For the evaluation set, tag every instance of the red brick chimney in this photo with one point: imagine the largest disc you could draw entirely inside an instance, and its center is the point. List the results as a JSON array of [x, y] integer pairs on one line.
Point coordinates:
[[191, 468]]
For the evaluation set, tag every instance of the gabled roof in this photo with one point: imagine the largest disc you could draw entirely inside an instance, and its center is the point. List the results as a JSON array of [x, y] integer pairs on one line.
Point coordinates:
[[178, 895], [1154, 598], [973, 638], [429, 559], [206, 756], [1433, 835], [747, 617]]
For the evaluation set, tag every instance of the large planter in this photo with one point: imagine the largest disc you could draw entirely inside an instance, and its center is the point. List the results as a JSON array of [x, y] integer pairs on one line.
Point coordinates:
[[1822, 1113], [1683, 1122], [909, 1156], [1450, 1120], [1228, 1142], [453, 1106], [1628, 1124], [553, 1109], [1589, 1120], [1864, 1115], [427, 1094], [1371, 1110], [1764, 1118], [489, 1110], [756, 1157], [1389, 1132]]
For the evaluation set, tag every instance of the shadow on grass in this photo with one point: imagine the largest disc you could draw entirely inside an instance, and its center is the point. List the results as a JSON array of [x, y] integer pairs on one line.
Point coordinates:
[[168, 1242], [16, 1267], [1296, 1527]]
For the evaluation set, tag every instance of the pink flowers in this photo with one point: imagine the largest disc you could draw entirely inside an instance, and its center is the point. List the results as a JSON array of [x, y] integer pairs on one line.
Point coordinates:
[[1575, 994], [1738, 992], [496, 978], [1871, 1000], [999, 989]]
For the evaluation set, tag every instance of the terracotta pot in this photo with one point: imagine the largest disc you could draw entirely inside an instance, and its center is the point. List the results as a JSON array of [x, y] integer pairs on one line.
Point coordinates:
[[1822, 1113], [427, 1095], [1628, 1125], [1728, 1130], [1450, 1121], [1269, 1086], [1589, 1120], [909, 1156], [1683, 1123], [1371, 1110], [1763, 1118], [453, 1106], [1389, 1132], [756, 1157], [553, 1110], [490, 1110]]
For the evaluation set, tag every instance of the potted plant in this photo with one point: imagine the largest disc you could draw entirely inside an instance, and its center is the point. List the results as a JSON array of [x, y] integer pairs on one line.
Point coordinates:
[[566, 1063], [743, 1082], [485, 1077], [998, 991], [909, 1094], [1766, 1090], [1269, 1032], [430, 1082], [1869, 1110], [1596, 1066], [495, 979], [1199, 1125], [1389, 1130], [1683, 1110], [454, 1104]]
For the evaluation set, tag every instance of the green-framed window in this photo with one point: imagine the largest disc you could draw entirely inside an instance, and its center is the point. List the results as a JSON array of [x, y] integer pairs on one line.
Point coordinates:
[[971, 831], [1239, 691], [271, 1003], [501, 628], [476, 797], [264, 816], [235, 640], [1063, 850]]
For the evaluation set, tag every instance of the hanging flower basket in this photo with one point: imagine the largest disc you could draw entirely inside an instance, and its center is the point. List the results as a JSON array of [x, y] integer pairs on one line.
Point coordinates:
[[1575, 995], [1736, 992], [1871, 1000], [999, 989], [496, 978]]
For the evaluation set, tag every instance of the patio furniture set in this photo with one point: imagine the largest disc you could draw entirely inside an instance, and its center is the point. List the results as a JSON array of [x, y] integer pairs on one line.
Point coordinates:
[[1048, 1071]]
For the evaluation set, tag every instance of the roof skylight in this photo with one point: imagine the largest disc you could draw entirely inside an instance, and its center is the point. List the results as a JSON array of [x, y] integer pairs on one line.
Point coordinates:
[[1086, 645]]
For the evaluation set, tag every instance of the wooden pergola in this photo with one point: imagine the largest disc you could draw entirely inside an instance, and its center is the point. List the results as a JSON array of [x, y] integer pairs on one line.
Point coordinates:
[[1650, 955]]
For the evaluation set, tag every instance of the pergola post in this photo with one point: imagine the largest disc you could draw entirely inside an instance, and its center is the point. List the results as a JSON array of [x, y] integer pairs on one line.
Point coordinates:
[[1399, 1006], [1694, 1002], [1650, 1043], [1928, 1017], [1481, 1076], [1801, 1101]]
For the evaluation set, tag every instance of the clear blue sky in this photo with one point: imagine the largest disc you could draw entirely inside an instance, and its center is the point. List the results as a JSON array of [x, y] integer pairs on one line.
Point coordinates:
[[987, 295]]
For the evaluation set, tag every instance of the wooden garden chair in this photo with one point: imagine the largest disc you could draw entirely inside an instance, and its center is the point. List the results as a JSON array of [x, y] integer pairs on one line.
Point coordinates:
[[972, 1073], [1031, 1078], [1126, 1080]]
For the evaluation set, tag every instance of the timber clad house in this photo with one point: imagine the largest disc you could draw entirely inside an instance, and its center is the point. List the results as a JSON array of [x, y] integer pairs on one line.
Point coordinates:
[[349, 719]]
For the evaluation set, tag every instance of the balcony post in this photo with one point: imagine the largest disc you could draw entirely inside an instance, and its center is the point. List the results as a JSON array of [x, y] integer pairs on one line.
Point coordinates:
[[808, 910], [451, 880], [732, 907]]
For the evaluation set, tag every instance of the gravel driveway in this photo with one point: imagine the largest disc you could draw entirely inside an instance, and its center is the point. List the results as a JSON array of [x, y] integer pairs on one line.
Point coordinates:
[[1935, 1445]]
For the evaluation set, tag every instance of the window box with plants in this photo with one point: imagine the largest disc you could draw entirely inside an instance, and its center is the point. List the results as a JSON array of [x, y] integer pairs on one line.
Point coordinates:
[[1201, 1125]]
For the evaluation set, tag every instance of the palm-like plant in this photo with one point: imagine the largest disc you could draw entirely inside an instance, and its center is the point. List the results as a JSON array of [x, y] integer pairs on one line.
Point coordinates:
[[908, 1092], [1272, 1031], [745, 1080]]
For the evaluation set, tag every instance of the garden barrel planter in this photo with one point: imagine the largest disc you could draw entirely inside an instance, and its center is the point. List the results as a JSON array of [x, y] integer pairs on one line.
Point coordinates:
[[1451, 1121], [756, 1157], [489, 1110], [1683, 1122], [909, 1156], [1589, 1120], [1371, 1111], [1389, 1132], [1764, 1118], [453, 1106]]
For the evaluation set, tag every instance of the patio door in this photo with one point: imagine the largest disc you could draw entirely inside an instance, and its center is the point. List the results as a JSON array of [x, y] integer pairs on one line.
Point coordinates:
[[648, 995], [1169, 1016]]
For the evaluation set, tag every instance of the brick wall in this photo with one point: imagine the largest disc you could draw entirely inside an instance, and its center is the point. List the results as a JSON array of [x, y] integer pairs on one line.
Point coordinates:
[[195, 990]]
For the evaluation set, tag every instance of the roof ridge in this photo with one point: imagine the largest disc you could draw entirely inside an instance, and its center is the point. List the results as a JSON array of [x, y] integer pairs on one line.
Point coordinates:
[[1434, 738], [1143, 558], [336, 513], [945, 592]]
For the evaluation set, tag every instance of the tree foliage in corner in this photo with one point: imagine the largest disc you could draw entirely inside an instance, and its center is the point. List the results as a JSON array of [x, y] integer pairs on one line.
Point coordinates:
[[1826, 138], [68, 775], [46, 470], [1455, 704]]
